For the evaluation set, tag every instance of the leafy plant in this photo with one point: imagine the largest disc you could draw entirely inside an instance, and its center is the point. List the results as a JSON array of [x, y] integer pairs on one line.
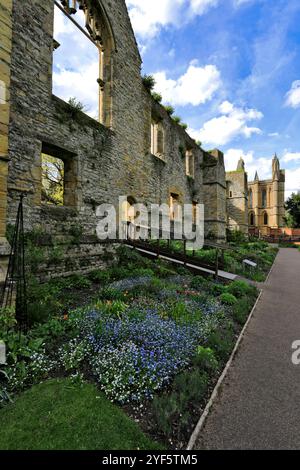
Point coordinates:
[[170, 110], [176, 119], [109, 293], [148, 82], [240, 288], [99, 276], [157, 97], [228, 299], [205, 359]]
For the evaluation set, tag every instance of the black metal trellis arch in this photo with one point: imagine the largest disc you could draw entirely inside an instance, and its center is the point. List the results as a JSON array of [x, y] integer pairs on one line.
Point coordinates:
[[14, 291]]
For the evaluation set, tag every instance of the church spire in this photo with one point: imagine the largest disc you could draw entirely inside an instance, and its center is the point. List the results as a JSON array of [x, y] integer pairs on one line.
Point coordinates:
[[256, 178], [275, 167]]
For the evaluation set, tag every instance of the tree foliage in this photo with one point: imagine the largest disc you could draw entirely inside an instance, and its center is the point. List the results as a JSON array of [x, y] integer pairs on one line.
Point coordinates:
[[52, 180], [292, 207]]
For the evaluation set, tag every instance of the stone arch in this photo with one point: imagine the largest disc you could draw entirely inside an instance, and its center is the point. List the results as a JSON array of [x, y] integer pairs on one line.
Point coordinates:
[[252, 219], [250, 198], [265, 218], [264, 198]]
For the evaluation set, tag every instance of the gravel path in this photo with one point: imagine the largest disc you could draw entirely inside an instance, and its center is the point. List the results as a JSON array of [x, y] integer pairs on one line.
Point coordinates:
[[259, 404]]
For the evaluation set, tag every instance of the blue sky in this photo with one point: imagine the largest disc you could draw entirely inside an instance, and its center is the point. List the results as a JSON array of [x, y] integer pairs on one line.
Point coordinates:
[[231, 69]]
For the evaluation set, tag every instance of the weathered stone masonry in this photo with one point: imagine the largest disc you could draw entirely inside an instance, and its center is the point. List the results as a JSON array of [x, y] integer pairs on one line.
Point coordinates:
[[5, 61], [107, 161]]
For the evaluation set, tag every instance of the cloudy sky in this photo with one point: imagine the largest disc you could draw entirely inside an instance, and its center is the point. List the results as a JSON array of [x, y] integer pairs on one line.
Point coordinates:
[[231, 68]]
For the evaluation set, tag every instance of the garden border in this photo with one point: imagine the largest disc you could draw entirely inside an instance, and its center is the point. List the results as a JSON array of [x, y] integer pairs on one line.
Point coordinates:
[[215, 393]]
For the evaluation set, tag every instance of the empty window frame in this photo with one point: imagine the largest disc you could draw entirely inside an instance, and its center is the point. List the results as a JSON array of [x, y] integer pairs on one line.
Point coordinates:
[[82, 57], [157, 139], [174, 206], [190, 163], [59, 185]]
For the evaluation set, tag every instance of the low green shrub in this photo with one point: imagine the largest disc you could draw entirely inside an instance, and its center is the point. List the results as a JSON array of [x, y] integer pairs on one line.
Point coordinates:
[[222, 342], [240, 311], [217, 289], [109, 293], [205, 359], [7, 319], [99, 276], [239, 288], [198, 282], [172, 411], [114, 309], [228, 299]]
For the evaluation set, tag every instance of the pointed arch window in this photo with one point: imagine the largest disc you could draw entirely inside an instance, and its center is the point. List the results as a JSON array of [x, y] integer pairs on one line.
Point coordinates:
[[266, 219], [91, 19], [264, 198], [252, 219], [251, 198]]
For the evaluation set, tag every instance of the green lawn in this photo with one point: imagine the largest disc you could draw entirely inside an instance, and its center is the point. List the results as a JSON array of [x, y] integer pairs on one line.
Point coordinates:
[[59, 415]]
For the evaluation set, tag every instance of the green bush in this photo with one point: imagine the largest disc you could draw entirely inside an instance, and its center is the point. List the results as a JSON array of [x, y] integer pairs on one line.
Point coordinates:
[[240, 310], [157, 97], [222, 342], [173, 411], [99, 276], [198, 282], [217, 289], [148, 82], [170, 110], [239, 288], [7, 319], [205, 359], [109, 293], [228, 299]]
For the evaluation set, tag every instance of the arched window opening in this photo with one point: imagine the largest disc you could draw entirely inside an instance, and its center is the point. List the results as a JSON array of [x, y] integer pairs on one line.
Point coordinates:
[[82, 57], [157, 138], [264, 198], [174, 207], [266, 218], [190, 163], [252, 219], [250, 198]]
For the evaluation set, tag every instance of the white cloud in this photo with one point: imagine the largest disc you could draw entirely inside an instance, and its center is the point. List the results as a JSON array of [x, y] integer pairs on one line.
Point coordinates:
[[196, 86], [148, 17], [292, 184], [293, 96], [80, 84], [232, 157], [232, 123], [291, 157], [76, 64], [273, 134]]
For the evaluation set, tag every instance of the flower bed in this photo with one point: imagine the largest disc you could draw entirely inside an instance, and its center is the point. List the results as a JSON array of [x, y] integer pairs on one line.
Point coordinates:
[[141, 338]]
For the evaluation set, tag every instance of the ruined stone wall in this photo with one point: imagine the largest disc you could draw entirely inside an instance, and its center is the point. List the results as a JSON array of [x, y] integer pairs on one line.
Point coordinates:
[[108, 162], [237, 200], [214, 186], [5, 61]]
